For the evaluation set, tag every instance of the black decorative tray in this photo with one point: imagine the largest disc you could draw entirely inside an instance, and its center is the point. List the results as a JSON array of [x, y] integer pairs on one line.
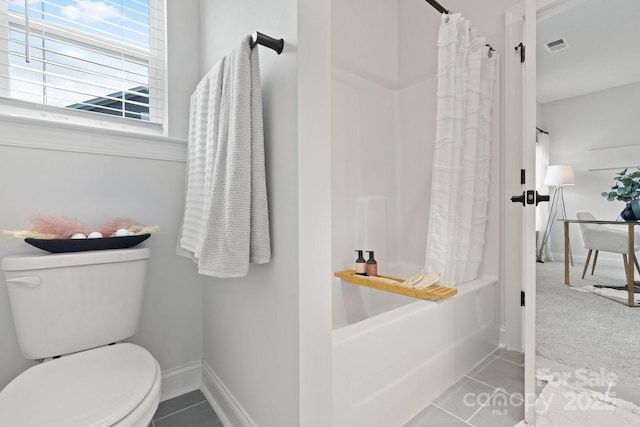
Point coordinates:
[[79, 245]]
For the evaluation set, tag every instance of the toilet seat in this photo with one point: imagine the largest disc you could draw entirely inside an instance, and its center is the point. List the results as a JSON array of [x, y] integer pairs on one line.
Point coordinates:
[[117, 385]]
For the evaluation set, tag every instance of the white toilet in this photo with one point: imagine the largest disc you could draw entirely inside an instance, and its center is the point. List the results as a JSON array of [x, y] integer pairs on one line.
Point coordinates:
[[75, 305]]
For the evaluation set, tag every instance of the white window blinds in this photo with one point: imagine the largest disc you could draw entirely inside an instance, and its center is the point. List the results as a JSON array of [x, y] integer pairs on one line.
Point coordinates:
[[100, 56]]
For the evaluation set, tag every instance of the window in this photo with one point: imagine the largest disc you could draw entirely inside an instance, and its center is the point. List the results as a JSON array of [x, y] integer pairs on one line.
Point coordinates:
[[99, 56]]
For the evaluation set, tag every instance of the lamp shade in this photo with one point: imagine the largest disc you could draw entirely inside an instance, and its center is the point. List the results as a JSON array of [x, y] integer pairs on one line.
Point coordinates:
[[559, 176]]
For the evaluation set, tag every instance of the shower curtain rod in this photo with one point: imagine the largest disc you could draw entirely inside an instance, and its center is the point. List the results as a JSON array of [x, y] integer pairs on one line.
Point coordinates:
[[267, 41], [440, 8]]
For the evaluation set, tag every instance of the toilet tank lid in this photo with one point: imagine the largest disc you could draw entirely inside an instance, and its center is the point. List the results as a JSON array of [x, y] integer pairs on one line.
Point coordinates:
[[40, 261]]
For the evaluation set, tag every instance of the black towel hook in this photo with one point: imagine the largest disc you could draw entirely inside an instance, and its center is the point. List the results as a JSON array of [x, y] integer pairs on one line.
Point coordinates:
[[267, 41]]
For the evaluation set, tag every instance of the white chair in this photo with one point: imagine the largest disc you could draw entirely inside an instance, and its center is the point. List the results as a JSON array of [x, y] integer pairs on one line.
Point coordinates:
[[597, 237]]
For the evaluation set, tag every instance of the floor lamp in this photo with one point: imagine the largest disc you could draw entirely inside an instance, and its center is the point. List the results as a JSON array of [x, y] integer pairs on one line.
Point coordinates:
[[558, 176]]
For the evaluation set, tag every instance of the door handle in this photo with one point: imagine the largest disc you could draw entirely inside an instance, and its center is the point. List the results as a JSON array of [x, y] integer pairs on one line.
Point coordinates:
[[530, 197], [542, 198], [519, 199]]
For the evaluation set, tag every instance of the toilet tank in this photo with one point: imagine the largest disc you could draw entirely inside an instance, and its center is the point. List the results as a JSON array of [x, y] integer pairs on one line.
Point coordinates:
[[64, 303]]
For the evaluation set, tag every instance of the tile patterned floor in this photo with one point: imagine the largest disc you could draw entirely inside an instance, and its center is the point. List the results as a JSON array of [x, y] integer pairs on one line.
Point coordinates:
[[490, 395], [187, 410]]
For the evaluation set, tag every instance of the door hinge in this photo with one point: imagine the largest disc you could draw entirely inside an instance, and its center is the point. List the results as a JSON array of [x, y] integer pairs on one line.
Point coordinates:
[[522, 49], [523, 175], [521, 298]]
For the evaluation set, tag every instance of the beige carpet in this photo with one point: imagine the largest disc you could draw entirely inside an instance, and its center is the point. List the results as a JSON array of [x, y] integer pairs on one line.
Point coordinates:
[[585, 330]]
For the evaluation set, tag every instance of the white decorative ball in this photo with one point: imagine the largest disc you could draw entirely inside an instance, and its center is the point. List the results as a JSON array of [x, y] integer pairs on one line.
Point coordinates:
[[94, 235], [79, 236], [122, 232]]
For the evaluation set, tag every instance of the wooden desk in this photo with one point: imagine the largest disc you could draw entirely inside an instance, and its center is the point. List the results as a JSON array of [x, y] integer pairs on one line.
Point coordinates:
[[631, 253]]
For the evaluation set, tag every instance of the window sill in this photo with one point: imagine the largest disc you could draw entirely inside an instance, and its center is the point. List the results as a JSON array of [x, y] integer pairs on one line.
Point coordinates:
[[34, 133]]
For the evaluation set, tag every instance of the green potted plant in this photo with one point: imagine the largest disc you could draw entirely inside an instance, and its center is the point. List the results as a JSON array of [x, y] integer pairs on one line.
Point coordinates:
[[626, 189]]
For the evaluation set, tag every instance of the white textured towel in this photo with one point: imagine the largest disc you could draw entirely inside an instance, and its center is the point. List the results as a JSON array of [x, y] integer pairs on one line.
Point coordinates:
[[226, 218]]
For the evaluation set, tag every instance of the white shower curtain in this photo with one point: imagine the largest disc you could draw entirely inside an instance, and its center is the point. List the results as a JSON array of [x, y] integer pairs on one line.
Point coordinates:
[[460, 185]]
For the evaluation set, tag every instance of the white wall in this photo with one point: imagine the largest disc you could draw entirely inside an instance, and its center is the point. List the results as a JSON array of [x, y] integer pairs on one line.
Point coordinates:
[[251, 323], [94, 188], [314, 212], [603, 119]]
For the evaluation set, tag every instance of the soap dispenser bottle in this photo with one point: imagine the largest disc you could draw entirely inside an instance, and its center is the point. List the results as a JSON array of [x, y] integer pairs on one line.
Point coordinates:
[[360, 264], [372, 266]]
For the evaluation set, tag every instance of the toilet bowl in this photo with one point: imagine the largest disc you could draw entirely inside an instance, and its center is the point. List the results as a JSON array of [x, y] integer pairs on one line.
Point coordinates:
[[117, 385], [73, 310]]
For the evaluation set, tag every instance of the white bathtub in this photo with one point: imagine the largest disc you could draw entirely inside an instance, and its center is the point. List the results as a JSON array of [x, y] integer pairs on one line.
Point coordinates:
[[387, 368]]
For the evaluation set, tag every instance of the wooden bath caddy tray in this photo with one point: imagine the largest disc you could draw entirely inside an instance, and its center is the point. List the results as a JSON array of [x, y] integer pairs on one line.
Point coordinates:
[[430, 292]]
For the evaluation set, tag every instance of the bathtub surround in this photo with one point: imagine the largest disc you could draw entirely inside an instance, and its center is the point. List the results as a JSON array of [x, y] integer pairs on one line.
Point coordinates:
[[371, 228], [462, 155], [387, 367], [226, 218], [383, 132]]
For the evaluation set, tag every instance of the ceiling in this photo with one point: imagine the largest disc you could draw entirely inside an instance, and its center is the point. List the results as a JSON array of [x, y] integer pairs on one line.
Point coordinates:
[[603, 38]]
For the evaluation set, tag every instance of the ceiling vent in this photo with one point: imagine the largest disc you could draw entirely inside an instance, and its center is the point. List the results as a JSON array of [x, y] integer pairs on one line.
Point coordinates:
[[556, 45]]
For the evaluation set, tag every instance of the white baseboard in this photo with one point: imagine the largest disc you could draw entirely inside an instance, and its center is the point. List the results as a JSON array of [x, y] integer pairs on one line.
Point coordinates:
[[503, 336], [226, 406], [181, 380]]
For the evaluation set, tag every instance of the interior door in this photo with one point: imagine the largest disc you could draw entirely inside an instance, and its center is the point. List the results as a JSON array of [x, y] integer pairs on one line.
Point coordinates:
[[520, 235], [529, 252]]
